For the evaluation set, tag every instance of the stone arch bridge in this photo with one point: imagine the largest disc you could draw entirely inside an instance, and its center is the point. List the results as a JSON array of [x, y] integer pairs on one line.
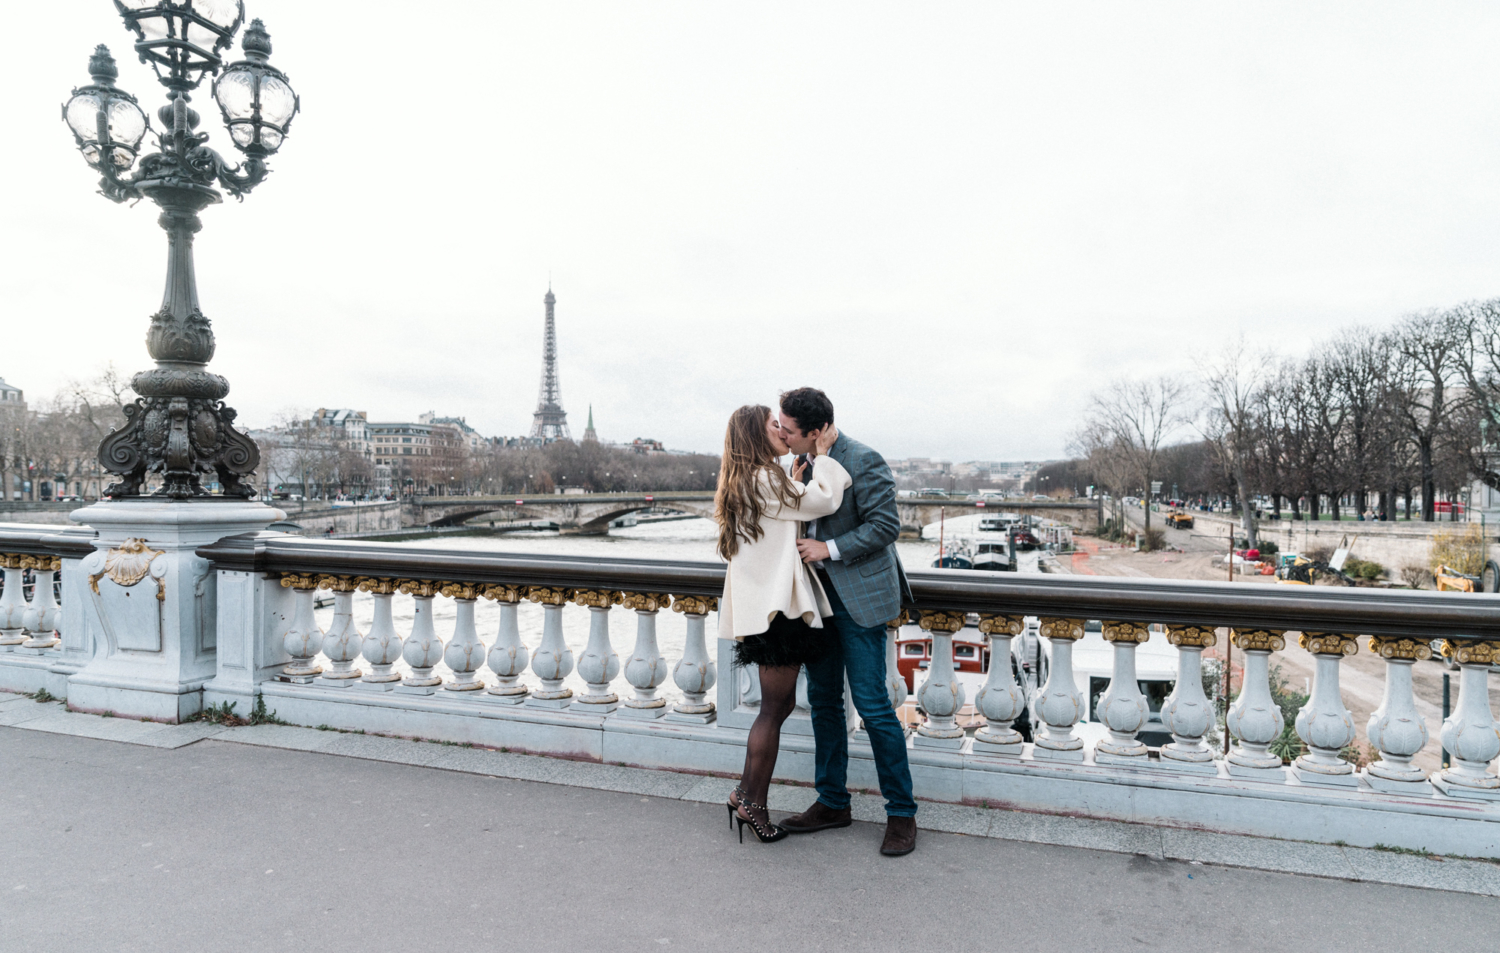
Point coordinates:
[[591, 513]]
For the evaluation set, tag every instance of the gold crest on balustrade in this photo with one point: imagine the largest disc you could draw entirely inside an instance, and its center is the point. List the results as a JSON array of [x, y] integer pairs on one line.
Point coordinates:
[[1192, 636], [597, 598], [1066, 630], [646, 601], [994, 624], [695, 605], [1257, 640], [1328, 643], [1471, 651], [1398, 647], [937, 620], [1136, 632]]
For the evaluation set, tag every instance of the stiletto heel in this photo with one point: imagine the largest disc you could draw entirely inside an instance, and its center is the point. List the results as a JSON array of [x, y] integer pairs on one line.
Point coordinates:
[[769, 835], [735, 797]]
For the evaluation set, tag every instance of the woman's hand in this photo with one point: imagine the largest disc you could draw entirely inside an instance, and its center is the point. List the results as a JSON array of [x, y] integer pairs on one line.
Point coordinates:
[[799, 467], [826, 439]]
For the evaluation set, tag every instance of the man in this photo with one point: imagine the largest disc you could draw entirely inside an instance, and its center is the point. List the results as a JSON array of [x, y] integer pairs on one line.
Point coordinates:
[[854, 554]]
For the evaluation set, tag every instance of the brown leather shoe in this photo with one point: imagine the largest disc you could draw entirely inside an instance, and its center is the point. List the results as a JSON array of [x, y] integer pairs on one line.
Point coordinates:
[[819, 817], [900, 836]]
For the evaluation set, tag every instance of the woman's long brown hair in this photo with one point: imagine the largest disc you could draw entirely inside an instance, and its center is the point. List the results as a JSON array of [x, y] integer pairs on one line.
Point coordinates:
[[738, 503]]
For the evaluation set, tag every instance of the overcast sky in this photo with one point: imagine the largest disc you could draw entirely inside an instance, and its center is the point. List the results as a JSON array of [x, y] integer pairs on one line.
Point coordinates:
[[956, 218]]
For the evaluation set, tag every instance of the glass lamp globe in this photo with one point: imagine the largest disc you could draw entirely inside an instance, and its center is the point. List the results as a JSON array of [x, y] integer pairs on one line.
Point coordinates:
[[257, 101], [185, 36], [106, 122]]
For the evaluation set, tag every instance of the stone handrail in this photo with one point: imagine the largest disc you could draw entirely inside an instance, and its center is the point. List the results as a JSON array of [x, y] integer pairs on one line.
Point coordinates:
[[1413, 614]]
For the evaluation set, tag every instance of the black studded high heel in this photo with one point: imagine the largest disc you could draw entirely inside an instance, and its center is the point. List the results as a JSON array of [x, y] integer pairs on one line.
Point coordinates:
[[735, 798], [768, 834]]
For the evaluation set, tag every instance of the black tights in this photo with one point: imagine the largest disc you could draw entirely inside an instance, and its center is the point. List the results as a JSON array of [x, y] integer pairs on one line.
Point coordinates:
[[778, 696]]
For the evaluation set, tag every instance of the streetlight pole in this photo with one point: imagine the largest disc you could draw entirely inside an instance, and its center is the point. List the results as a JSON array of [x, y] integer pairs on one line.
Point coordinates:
[[178, 430], [179, 427]]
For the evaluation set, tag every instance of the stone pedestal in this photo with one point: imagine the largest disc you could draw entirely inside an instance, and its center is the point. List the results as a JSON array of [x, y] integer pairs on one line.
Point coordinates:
[[152, 614]]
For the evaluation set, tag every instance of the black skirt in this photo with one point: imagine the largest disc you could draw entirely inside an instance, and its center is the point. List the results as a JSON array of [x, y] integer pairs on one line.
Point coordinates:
[[786, 642]]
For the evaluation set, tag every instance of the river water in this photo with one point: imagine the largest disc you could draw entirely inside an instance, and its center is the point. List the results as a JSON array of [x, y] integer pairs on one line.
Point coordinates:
[[688, 540]]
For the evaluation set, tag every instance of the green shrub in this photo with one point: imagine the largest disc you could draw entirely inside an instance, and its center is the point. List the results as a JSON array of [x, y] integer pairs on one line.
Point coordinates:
[[1268, 547]]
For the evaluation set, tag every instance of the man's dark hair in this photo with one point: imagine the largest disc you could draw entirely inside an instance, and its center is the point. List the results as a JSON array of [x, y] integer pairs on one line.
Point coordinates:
[[809, 406]]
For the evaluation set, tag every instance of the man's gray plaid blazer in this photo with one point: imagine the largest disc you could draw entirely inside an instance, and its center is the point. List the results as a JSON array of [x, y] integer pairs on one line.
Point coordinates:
[[867, 575]]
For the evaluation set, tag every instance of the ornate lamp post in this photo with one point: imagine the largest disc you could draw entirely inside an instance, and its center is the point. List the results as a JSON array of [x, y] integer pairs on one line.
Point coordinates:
[[162, 663], [179, 426]]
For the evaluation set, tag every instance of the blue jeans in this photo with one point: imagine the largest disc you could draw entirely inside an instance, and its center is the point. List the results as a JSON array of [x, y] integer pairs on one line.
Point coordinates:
[[861, 651]]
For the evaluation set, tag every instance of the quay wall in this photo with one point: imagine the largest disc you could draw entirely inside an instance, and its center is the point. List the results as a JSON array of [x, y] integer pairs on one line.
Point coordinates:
[[368, 518], [25, 511], [1392, 545]]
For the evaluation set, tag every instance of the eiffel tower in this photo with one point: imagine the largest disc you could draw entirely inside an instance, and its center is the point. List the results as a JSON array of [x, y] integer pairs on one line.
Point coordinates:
[[550, 422]]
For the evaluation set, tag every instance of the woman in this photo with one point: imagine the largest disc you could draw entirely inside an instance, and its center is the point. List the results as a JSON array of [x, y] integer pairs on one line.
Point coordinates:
[[773, 605]]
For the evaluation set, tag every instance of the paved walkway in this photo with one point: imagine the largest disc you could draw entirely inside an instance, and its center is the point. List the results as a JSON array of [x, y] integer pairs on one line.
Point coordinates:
[[262, 838]]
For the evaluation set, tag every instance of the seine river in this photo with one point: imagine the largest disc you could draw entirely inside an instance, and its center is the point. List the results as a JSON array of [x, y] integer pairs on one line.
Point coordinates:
[[689, 540]]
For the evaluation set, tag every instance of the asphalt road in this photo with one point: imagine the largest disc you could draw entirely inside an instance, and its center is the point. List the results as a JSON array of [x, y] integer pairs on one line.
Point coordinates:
[[228, 847]]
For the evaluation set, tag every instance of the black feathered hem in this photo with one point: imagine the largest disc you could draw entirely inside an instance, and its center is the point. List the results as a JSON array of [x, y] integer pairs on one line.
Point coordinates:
[[786, 642]]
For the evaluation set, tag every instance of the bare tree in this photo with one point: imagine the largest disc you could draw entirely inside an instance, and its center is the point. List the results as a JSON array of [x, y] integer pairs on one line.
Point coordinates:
[[1233, 383], [1426, 349], [1133, 418]]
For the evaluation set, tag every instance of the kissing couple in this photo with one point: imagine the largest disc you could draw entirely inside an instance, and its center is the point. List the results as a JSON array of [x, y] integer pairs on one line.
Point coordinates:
[[813, 578]]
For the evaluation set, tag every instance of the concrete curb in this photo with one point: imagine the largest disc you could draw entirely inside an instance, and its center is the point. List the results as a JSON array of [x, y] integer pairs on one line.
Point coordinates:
[[1162, 843]]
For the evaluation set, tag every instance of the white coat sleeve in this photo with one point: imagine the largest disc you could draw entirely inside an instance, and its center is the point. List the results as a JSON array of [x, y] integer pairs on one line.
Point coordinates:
[[820, 496]]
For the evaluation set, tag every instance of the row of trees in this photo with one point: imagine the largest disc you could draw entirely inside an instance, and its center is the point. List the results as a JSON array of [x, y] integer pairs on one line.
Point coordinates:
[[320, 462], [50, 449], [1383, 420]]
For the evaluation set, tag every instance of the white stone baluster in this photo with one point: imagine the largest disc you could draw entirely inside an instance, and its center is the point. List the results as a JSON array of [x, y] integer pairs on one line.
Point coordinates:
[[599, 663], [1123, 709], [464, 653], [423, 649], [1255, 720], [508, 655], [12, 603], [304, 640], [696, 672], [40, 618], [553, 661], [941, 695], [895, 682], [382, 645], [1396, 729], [1469, 733], [343, 642], [1059, 704], [1187, 713], [1001, 700], [1324, 724], [646, 668]]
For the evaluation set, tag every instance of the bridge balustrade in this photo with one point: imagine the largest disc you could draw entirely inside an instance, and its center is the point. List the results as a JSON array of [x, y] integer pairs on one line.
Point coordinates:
[[491, 687]]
